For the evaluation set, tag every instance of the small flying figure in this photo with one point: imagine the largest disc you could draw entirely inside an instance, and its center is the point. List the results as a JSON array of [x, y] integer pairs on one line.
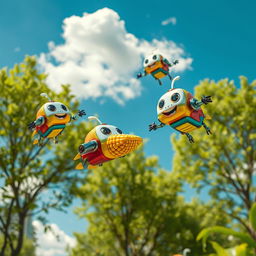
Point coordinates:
[[157, 66], [104, 143], [180, 110], [51, 120]]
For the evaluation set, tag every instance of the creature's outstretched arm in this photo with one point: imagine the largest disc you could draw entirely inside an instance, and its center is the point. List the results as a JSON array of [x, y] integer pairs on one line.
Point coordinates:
[[39, 121], [79, 114], [139, 75], [155, 126], [170, 64], [196, 104]]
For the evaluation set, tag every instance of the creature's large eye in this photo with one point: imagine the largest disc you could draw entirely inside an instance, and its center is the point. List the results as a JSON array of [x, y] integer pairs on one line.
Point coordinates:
[[64, 107], [154, 57], [161, 104], [146, 61], [51, 107], [175, 97], [119, 131], [105, 130]]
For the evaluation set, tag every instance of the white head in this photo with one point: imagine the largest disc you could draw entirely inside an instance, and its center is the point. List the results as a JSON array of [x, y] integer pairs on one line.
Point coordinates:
[[151, 59], [168, 103], [56, 108], [103, 131]]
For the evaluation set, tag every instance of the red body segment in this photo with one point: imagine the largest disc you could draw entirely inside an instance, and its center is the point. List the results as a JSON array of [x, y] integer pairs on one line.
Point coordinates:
[[97, 157]]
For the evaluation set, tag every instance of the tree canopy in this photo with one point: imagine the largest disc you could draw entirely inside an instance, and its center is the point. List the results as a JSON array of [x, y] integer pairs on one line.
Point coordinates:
[[134, 208], [224, 162], [27, 170]]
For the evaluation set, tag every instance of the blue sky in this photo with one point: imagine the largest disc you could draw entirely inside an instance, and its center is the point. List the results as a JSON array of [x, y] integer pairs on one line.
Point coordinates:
[[218, 35]]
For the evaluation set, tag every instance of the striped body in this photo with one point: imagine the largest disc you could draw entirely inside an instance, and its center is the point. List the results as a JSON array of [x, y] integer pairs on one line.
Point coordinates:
[[185, 119], [50, 132], [189, 123], [158, 70]]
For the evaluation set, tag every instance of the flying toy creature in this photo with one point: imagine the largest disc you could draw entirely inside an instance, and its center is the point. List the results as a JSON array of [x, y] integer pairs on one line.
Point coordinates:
[[179, 109], [104, 143], [51, 120], [157, 66]]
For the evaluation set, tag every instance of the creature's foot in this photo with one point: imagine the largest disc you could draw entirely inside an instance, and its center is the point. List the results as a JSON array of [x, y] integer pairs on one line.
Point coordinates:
[[100, 164], [190, 138], [40, 142], [207, 129], [55, 140], [170, 77]]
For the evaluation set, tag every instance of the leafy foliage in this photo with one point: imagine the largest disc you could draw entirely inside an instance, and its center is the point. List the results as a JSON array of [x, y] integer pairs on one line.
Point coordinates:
[[26, 170], [28, 248], [133, 208], [225, 161]]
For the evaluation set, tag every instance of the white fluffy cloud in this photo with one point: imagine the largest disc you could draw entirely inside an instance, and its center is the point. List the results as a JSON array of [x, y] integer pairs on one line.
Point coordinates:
[[49, 244], [28, 185], [99, 58], [171, 20]]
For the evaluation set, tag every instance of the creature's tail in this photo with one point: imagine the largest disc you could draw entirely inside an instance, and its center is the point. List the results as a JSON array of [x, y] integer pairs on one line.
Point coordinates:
[[173, 81]]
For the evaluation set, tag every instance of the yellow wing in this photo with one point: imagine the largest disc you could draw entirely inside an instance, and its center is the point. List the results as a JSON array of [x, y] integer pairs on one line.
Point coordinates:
[[77, 157], [90, 167], [79, 167]]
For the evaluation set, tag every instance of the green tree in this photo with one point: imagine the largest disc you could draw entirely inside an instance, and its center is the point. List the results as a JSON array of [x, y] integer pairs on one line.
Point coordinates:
[[224, 162], [245, 249], [27, 170], [28, 248], [133, 208]]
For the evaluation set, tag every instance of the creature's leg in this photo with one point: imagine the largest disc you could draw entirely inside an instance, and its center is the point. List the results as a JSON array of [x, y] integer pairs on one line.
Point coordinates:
[[208, 131], [170, 76], [190, 138], [160, 83], [40, 141], [100, 164], [55, 140], [85, 163]]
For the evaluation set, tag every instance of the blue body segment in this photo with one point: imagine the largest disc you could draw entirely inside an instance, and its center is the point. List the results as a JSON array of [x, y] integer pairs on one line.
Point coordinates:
[[188, 119], [54, 127]]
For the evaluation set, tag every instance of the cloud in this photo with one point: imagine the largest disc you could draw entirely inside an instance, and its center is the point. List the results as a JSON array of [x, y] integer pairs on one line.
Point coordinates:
[[99, 58], [49, 244], [28, 185], [171, 20]]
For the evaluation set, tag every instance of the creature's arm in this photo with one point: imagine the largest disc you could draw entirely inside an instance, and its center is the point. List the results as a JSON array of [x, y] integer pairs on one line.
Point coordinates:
[[155, 126], [196, 104], [79, 114], [170, 64], [39, 121], [139, 75]]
